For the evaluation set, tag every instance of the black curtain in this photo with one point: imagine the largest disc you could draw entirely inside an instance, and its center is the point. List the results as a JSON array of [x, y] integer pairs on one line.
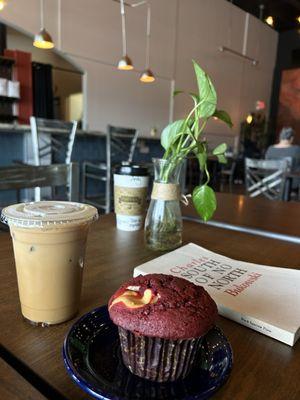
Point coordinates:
[[42, 90], [3, 36]]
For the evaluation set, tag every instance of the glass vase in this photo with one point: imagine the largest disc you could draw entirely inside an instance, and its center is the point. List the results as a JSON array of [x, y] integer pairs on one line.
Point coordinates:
[[163, 225]]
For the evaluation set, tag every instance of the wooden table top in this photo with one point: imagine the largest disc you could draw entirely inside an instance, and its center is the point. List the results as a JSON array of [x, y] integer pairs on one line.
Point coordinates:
[[14, 387], [263, 367], [279, 217]]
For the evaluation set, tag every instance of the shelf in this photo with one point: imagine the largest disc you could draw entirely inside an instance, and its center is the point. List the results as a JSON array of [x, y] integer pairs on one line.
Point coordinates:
[[7, 61], [8, 98], [7, 117]]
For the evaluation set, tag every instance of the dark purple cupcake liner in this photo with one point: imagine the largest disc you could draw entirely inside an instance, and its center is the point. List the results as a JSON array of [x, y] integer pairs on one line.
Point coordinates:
[[158, 359]]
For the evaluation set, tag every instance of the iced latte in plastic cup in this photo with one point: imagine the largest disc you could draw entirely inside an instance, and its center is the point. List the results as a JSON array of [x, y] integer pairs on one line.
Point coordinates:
[[49, 240]]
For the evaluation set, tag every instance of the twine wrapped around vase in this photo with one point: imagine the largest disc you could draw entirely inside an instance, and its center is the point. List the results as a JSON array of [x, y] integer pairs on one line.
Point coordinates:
[[165, 191], [168, 192]]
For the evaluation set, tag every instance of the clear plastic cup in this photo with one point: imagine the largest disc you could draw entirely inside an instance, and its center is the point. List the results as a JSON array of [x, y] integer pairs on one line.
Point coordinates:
[[49, 240]]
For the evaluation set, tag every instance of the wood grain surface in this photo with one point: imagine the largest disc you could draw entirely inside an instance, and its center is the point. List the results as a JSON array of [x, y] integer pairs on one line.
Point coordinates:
[[258, 213], [14, 387], [263, 367]]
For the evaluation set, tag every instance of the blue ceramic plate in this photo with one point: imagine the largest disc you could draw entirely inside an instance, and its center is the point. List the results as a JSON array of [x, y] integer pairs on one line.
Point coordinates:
[[93, 359]]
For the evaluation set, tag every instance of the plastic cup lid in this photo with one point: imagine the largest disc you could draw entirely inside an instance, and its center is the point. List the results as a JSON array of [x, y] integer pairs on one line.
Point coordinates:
[[48, 213], [127, 168]]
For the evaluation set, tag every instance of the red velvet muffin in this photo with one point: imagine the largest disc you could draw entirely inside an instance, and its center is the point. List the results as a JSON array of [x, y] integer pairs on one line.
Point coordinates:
[[161, 321]]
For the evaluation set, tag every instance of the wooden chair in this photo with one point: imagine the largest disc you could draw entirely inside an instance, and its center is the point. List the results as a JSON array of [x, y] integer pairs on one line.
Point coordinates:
[[266, 177], [120, 147], [24, 177], [51, 142]]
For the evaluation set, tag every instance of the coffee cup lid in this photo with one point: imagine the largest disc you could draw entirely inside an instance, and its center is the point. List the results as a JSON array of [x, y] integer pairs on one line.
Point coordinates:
[[48, 213], [127, 168]]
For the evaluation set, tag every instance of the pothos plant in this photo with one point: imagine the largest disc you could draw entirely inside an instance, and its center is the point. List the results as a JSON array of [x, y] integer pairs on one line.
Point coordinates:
[[183, 139]]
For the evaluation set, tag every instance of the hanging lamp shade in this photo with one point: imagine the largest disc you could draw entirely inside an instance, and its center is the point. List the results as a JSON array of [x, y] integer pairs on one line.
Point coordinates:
[[125, 64], [43, 40], [147, 76]]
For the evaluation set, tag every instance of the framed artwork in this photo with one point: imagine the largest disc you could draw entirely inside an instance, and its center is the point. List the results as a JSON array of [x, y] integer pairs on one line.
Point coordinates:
[[289, 101]]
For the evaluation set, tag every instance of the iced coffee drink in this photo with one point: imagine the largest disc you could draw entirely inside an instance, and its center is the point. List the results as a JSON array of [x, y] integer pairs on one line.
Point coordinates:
[[49, 240]]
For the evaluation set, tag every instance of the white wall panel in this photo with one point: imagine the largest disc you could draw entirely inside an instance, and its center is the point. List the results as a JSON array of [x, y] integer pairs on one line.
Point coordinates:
[[92, 29], [256, 85], [209, 25], [23, 14], [117, 97], [199, 25], [229, 25], [262, 44]]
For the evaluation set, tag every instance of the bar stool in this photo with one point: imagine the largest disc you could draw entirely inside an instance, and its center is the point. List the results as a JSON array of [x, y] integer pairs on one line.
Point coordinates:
[[120, 147], [52, 142]]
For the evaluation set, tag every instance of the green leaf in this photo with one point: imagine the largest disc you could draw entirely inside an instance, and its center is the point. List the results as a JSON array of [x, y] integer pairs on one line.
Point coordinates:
[[171, 133], [220, 149], [176, 92], [204, 200], [207, 93], [223, 116], [222, 159]]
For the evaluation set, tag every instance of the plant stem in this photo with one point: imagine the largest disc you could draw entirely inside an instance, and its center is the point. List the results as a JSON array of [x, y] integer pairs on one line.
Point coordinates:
[[207, 174]]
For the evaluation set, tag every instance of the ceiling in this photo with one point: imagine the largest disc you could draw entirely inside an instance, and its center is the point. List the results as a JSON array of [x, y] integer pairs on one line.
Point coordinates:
[[284, 12]]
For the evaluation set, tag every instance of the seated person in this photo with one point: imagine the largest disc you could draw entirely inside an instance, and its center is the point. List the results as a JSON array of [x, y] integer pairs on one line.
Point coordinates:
[[285, 148]]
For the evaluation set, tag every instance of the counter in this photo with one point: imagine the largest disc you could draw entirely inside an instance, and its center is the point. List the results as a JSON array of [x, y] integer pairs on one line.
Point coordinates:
[[21, 128]]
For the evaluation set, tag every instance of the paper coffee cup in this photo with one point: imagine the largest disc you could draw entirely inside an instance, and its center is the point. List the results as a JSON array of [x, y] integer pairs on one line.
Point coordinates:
[[130, 191], [49, 240]]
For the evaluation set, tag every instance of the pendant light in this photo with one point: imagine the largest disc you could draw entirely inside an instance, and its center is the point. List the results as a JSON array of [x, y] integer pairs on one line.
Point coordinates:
[[270, 20], [147, 75], [43, 39], [125, 62], [249, 119]]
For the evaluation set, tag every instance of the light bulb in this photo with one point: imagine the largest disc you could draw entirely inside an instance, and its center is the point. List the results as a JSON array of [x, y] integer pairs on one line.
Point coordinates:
[[270, 20], [2, 5], [249, 119]]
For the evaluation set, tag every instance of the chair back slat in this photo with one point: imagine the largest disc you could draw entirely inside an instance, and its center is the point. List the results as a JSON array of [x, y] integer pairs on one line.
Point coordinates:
[[266, 177], [45, 153], [25, 177], [42, 133], [122, 142]]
